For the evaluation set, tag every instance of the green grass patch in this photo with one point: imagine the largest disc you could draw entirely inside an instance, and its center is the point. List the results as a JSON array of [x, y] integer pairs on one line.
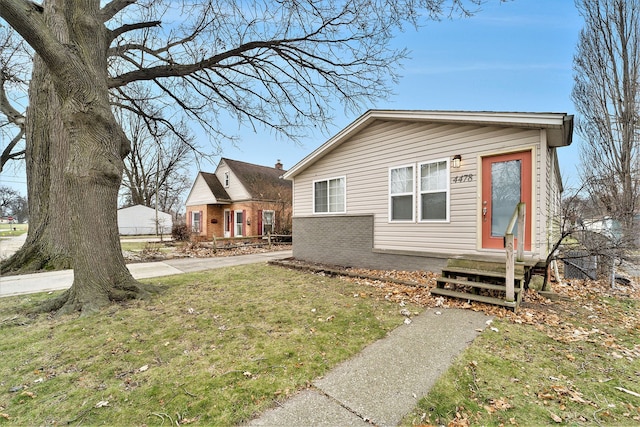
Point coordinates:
[[143, 246], [216, 348], [560, 373], [7, 230]]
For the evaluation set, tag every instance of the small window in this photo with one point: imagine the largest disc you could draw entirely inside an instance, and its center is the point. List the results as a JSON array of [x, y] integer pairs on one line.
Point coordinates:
[[196, 222], [401, 193], [329, 196], [239, 224], [434, 191], [226, 179]]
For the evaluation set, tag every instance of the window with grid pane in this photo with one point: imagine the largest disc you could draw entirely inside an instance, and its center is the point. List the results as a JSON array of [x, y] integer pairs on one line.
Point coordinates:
[[434, 191], [329, 196], [401, 193]]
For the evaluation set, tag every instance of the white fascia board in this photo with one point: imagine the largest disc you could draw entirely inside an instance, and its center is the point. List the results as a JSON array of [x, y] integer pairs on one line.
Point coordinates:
[[515, 119]]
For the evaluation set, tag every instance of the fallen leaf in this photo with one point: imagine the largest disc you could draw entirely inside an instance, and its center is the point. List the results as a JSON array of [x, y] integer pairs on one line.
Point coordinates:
[[102, 404], [555, 418]]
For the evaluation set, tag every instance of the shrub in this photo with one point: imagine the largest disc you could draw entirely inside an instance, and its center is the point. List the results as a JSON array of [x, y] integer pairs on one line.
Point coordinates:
[[180, 233]]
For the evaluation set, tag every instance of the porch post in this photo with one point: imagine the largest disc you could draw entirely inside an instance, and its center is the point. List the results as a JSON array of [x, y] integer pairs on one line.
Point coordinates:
[[510, 268], [522, 212]]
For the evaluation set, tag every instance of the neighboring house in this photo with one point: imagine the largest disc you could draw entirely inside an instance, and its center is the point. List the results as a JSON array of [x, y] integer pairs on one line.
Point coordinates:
[[141, 219], [410, 189], [239, 200]]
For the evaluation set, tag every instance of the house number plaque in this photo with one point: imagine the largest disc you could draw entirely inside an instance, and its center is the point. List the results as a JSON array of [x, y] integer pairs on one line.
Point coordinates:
[[462, 178]]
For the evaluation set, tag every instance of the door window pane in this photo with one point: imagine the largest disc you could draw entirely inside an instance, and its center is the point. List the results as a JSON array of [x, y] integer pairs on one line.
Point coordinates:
[[505, 194]]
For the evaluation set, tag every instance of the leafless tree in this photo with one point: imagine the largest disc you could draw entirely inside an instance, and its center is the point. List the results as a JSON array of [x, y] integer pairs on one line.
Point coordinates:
[[279, 65], [606, 95], [15, 62], [155, 170]]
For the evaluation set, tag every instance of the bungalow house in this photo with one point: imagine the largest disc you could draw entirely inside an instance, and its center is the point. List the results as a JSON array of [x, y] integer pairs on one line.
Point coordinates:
[[239, 200], [414, 190]]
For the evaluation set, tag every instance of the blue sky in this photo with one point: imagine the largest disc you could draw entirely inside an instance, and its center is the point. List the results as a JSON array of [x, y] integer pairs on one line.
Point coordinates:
[[512, 56]]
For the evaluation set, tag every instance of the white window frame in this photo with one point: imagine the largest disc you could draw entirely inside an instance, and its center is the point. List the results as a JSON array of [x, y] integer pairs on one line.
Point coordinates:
[[238, 226], [329, 211], [412, 194], [227, 179], [447, 190], [195, 229]]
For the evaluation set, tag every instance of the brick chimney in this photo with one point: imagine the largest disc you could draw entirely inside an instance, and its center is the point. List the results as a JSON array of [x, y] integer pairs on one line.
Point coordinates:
[[278, 165]]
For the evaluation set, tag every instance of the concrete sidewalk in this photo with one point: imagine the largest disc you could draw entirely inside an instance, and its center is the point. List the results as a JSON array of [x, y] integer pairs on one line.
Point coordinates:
[[57, 280], [384, 382], [378, 386]]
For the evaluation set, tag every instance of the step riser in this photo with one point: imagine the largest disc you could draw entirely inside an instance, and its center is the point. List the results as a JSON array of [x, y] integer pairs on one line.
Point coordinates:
[[478, 275], [474, 297], [478, 285], [483, 266]]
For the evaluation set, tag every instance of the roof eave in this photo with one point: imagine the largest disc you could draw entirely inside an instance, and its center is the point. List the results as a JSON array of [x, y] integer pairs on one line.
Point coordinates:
[[559, 124]]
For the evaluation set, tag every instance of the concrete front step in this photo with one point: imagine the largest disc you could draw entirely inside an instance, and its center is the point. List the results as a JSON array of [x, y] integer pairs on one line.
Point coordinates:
[[474, 297]]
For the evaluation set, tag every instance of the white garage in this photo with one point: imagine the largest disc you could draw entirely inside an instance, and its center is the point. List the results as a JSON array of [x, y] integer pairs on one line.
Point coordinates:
[[138, 219]]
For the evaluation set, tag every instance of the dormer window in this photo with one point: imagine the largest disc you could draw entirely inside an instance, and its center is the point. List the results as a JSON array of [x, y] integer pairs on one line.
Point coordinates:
[[226, 179]]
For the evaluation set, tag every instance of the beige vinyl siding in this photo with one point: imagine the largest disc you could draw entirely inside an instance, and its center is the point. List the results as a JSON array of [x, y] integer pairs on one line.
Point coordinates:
[[235, 190], [554, 204], [200, 193], [365, 160]]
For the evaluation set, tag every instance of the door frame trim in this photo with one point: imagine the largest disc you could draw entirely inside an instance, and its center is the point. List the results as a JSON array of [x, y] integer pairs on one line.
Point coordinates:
[[534, 195]]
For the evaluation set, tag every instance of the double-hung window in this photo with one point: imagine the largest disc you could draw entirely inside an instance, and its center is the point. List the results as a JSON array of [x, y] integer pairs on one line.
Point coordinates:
[[196, 221], [401, 193], [434, 191], [329, 196], [431, 182]]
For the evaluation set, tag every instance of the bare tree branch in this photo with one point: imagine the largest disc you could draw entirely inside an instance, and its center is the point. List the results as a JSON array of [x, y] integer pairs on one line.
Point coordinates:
[[132, 27], [113, 7]]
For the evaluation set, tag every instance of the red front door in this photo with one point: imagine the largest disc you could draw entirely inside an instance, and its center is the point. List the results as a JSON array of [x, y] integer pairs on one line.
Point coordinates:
[[506, 181]]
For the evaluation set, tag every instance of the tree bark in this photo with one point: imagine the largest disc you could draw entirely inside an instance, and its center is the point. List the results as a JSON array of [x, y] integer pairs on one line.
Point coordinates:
[[47, 246], [92, 146]]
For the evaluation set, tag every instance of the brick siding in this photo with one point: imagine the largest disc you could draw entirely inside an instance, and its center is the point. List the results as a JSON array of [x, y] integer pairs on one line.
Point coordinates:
[[347, 240]]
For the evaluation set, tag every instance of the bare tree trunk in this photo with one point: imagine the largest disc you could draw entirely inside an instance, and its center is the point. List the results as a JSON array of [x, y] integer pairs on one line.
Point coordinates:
[[91, 148], [47, 246]]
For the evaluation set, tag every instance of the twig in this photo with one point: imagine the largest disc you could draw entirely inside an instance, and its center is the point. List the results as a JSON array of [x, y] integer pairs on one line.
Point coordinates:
[[189, 394], [162, 415], [624, 390], [595, 416]]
